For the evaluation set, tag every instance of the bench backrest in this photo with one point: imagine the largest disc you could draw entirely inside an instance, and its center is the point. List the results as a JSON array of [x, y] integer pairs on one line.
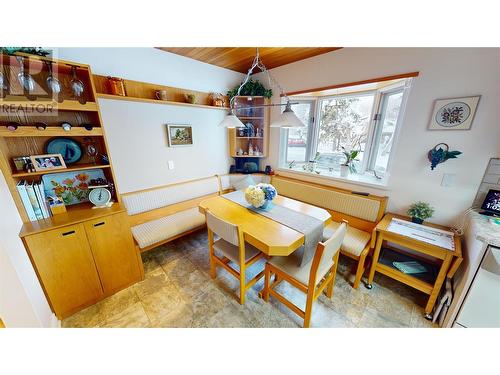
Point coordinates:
[[362, 212], [227, 181], [154, 203]]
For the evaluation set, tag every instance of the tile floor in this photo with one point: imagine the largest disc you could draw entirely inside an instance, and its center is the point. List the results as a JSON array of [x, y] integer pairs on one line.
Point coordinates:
[[178, 292]]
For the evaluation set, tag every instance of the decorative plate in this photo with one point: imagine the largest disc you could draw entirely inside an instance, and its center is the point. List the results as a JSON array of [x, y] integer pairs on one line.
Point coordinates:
[[72, 187], [454, 113], [70, 149]]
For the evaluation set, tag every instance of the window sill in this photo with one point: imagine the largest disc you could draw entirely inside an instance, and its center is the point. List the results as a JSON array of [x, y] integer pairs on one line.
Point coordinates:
[[354, 179]]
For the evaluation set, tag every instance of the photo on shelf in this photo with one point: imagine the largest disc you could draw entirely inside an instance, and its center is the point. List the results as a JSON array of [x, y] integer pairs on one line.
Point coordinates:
[[48, 162]]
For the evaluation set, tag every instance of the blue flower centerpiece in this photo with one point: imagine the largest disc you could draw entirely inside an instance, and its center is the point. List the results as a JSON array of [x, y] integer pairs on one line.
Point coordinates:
[[260, 195]]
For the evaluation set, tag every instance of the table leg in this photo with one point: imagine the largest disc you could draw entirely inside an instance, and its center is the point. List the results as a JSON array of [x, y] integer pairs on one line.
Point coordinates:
[[437, 285], [376, 254]]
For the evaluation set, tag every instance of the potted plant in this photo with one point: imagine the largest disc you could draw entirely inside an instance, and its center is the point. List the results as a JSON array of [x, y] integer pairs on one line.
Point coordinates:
[[251, 88], [348, 165], [420, 211]]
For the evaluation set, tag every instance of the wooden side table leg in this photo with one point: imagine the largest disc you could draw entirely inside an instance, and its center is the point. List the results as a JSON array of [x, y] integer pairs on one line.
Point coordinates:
[[437, 285], [376, 254]]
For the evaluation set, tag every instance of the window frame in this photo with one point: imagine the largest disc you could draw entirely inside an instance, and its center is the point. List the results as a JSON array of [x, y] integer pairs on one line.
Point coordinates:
[[320, 99], [369, 158]]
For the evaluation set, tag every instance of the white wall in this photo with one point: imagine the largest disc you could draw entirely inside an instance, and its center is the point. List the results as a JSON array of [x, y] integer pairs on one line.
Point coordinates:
[[444, 73], [136, 132], [22, 302]]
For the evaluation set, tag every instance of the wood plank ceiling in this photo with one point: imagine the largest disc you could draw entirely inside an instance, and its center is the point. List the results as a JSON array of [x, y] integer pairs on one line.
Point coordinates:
[[240, 58]]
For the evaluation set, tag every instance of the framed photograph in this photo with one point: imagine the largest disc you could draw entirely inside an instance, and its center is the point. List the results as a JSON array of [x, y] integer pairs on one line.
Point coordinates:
[[47, 162], [180, 135], [454, 114]]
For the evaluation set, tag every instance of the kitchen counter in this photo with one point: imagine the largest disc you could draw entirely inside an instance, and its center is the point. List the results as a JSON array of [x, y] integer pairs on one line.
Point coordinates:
[[484, 230]]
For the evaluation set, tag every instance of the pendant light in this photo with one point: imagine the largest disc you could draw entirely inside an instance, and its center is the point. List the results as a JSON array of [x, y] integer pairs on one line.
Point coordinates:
[[231, 121], [287, 119]]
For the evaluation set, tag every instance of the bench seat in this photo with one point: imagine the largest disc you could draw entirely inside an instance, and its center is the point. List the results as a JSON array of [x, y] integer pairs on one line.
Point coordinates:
[[355, 240], [159, 230]]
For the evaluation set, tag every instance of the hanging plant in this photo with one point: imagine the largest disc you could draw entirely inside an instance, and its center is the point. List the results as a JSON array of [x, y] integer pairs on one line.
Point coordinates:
[[251, 88]]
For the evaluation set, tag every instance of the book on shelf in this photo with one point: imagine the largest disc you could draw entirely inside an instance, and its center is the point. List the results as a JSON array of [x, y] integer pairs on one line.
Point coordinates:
[[21, 188], [34, 200]]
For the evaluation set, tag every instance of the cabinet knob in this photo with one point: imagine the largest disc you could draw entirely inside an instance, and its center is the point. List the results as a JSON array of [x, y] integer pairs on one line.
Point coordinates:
[[99, 224], [68, 233]]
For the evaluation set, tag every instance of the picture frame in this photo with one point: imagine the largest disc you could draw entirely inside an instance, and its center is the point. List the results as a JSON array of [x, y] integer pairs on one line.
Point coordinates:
[[179, 135], [454, 113], [47, 162]]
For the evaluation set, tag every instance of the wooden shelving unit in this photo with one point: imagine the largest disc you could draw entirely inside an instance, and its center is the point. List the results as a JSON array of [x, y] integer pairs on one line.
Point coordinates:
[[259, 118], [78, 167], [144, 92], [27, 140]]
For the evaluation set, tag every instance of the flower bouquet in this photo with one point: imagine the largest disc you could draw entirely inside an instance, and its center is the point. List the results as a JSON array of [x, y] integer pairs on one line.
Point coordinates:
[[260, 195]]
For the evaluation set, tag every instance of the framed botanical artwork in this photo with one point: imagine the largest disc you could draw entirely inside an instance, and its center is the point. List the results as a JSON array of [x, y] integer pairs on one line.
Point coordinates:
[[47, 162], [180, 135], [454, 114]]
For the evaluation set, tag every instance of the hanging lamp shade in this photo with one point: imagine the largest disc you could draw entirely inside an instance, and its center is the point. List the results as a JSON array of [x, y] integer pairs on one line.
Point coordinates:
[[288, 119], [231, 121]]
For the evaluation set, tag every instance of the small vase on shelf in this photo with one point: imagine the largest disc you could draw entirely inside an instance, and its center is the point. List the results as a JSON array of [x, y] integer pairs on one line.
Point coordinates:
[[417, 220]]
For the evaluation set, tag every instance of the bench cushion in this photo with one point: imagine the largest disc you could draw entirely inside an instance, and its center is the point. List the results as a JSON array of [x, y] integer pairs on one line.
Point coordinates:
[[355, 240], [228, 181], [343, 202], [148, 200], [166, 227]]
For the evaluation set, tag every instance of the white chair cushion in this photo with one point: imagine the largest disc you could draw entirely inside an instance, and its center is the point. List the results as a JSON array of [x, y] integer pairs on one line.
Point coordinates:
[[290, 266], [166, 227], [344, 202], [355, 240], [148, 200], [233, 252]]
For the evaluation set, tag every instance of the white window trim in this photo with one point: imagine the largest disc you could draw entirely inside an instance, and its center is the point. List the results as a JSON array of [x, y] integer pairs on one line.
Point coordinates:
[[365, 177]]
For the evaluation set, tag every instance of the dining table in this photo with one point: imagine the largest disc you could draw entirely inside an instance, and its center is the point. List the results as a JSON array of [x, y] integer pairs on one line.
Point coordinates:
[[269, 236]]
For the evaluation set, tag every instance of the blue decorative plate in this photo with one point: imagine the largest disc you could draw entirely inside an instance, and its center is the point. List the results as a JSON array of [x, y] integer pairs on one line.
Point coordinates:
[[70, 149]]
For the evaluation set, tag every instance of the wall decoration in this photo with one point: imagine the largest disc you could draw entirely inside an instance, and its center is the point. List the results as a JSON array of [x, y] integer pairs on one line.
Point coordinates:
[[47, 162], [71, 187], [454, 114], [439, 154], [67, 147], [180, 135]]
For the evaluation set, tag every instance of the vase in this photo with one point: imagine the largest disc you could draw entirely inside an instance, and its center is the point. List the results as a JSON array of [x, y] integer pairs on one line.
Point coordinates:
[[265, 204], [417, 220], [344, 170]]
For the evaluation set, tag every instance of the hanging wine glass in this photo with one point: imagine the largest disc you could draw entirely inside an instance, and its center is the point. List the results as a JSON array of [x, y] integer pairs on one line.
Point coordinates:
[[77, 87], [91, 149], [26, 80]]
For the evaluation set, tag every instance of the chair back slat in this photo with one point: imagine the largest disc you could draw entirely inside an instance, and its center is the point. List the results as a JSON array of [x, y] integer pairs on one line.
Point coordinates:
[[223, 229], [332, 245]]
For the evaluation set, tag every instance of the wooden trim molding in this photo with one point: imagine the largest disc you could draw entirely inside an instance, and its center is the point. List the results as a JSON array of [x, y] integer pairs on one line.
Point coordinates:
[[356, 83]]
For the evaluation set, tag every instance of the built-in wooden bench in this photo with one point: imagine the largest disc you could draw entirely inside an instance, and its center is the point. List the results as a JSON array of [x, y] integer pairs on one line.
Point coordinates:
[[362, 212], [165, 213]]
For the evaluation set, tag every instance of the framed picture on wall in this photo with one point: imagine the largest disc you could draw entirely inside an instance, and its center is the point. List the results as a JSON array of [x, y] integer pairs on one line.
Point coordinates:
[[454, 114], [180, 135]]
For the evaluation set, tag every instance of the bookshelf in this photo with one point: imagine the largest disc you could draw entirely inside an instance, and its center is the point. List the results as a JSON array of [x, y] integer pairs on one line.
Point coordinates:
[[241, 139], [27, 140]]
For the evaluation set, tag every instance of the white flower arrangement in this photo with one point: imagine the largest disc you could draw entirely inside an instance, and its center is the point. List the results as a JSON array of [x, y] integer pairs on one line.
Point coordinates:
[[258, 195]]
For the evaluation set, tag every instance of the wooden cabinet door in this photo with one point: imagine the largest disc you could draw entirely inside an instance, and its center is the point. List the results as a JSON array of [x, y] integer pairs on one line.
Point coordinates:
[[66, 268], [117, 259]]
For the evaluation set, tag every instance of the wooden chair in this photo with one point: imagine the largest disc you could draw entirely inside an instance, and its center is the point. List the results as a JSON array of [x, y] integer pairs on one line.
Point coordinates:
[[233, 248], [311, 278]]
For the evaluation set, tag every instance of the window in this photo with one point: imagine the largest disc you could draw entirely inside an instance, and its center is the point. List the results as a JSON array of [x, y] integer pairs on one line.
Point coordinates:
[[363, 118]]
